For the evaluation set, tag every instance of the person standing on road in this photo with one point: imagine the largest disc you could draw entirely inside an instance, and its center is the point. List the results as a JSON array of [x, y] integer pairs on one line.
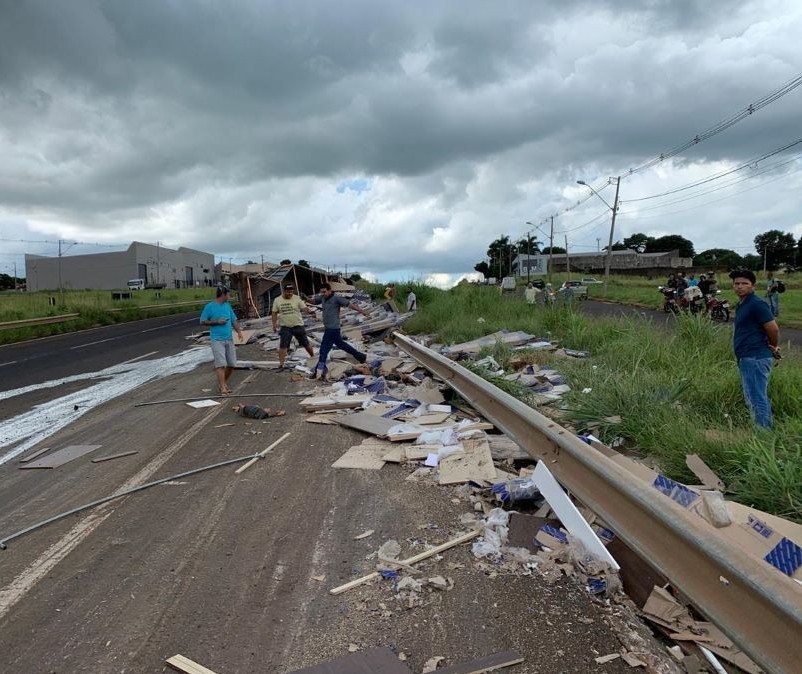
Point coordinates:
[[756, 343], [220, 317], [330, 304], [287, 309], [773, 295]]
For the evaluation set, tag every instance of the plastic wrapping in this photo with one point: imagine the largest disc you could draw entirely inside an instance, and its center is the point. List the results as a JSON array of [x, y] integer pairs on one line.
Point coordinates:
[[517, 489]]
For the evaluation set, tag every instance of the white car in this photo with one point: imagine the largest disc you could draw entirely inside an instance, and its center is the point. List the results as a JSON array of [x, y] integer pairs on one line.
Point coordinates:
[[591, 282], [136, 284]]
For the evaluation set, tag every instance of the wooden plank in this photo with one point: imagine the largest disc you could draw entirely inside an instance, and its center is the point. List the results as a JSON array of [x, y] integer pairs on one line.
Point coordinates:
[[501, 447], [474, 464], [184, 664], [62, 456], [489, 663], [33, 455], [365, 458], [115, 456], [246, 335], [374, 661], [367, 423], [464, 538], [261, 454]]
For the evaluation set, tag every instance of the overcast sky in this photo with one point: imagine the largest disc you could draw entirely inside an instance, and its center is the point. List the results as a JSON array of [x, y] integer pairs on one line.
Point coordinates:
[[399, 138]]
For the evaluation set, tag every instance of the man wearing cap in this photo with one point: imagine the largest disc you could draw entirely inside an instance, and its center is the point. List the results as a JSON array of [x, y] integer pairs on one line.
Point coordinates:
[[756, 344], [330, 304], [287, 310], [220, 317]]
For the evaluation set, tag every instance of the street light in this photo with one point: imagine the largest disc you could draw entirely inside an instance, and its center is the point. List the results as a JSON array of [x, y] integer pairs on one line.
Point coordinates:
[[551, 243], [614, 208]]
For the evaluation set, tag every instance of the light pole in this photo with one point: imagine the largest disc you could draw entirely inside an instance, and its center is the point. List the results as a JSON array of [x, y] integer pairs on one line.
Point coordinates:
[[614, 208]]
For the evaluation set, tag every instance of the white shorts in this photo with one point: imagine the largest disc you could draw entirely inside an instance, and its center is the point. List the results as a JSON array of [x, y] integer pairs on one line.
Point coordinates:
[[224, 353]]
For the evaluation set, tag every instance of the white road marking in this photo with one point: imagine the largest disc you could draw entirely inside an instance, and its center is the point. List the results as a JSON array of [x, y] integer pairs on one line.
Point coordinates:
[[40, 567], [29, 428], [133, 360], [100, 341], [11, 362]]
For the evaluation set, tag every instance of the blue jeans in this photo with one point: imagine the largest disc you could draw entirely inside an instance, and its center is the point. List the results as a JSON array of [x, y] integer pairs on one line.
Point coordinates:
[[774, 303], [333, 338], [755, 381]]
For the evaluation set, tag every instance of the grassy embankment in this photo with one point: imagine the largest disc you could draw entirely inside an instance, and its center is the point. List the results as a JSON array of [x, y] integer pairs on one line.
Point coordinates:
[[94, 307], [677, 392], [641, 290]]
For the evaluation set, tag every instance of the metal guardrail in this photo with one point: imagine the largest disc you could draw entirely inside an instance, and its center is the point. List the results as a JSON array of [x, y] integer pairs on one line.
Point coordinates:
[[27, 322], [755, 605]]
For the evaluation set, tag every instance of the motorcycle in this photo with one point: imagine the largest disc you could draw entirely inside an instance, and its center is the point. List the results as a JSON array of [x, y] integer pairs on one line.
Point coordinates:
[[719, 310], [669, 300], [691, 300]]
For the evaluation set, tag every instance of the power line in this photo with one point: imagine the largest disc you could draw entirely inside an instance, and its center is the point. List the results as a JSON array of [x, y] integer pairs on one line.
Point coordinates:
[[723, 125], [75, 243], [717, 176]]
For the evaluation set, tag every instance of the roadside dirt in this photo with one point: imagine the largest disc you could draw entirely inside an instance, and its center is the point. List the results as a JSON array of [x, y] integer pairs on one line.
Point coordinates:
[[220, 568]]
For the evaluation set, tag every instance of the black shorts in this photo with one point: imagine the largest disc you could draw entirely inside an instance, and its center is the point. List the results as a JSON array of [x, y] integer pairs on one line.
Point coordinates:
[[285, 335]]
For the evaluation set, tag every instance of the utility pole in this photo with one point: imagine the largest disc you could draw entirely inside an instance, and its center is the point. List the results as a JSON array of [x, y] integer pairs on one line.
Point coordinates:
[[765, 258], [609, 257], [598, 244], [551, 247], [60, 288], [15, 275], [567, 259], [158, 264], [263, 264], [528, 254]]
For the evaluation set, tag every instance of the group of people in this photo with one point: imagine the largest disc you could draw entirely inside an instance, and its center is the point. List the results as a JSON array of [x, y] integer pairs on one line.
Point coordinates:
[[288, 322]]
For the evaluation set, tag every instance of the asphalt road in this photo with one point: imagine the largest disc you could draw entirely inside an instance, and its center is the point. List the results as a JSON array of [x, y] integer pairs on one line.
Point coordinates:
[[609, 309], [49, 358]]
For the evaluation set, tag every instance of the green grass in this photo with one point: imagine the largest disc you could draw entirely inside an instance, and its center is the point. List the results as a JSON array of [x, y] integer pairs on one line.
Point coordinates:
[[641, 290], [677, 392], [94, 307]]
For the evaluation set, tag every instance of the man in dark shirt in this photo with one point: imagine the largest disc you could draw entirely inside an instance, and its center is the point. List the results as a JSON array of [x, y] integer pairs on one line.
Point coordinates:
[[330, 303], [755, 341]]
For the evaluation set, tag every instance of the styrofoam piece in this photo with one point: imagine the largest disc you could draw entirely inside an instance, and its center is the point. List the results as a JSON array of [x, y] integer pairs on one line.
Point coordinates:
[[568, 514]]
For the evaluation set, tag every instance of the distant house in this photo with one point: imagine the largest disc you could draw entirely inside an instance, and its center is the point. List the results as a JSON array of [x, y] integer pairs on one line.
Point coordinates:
[[621, 262], [155, 265]]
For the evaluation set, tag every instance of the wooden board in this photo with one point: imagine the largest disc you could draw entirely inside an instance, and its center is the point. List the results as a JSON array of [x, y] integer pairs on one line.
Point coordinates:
[[364, 457], [367, 423], [182, 664], [324, 403], [33, 455], [475, 464], [115, 456], [374, 661], [487, 664], [501, 447], [62, 456], [246, 335]]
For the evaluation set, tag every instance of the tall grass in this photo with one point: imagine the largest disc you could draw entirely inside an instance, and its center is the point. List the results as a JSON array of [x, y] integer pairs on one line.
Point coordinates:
[[677, 392]]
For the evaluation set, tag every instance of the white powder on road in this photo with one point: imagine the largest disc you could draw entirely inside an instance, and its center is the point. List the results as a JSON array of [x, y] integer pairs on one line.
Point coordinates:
[[48, 418]]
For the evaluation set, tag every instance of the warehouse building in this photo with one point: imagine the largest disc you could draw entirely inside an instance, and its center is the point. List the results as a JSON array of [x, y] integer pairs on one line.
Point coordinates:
[[621, 262], [156, 265]]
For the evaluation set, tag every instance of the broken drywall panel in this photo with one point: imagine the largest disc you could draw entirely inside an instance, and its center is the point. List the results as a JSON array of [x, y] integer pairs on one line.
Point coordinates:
[[568, 514], [61, 457]]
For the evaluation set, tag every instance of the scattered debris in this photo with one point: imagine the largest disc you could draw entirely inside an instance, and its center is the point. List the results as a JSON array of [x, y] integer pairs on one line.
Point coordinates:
[[364, 534], [115, 456], [431, 664], [198, 404], [183, 664]]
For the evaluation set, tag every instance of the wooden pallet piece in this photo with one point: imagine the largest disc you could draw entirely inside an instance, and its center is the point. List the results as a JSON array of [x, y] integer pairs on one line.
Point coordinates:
[[489, 663], [260, 455], [474, 464], [184, 664], [33, 455], [367, 423], [62, 456], [115, 456], [464, 538], [374, 661]]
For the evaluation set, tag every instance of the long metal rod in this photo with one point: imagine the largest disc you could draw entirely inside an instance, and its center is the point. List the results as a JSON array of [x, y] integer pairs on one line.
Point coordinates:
[[753, 603], [106, 499], [236, 395]]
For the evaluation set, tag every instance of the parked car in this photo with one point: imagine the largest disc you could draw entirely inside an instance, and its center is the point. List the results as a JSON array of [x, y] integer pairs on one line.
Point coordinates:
[[580, 291], [136, 284], [590, 282], [538, 283]]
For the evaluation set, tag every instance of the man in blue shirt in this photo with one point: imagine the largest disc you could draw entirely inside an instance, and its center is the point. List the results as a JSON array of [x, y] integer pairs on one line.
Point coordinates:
[[220, 317], [331, 304], [755, 341]]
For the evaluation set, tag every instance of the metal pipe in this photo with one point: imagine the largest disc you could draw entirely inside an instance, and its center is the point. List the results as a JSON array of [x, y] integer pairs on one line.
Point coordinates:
[[753, 603], [236, 395], [106, 499]]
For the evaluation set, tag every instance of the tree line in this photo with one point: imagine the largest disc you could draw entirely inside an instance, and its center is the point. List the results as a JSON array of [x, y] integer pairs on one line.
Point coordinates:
[[774, 249]]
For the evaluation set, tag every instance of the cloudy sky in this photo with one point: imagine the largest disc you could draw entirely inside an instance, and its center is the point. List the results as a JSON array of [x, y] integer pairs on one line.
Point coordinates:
[[398, 138]]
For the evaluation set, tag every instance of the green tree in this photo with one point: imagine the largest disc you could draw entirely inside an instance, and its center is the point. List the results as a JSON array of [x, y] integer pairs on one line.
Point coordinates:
[[528, 245], [776, 247], [501, 253], [6, 282], [285, 262], [718, 257], [753, 262], [483, 268], [663, 244], [637, 240], [303, 263], [557, 250]]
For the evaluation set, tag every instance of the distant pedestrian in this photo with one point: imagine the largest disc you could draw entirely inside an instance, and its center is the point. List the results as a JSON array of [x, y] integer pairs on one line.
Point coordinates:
[[390, 293], [286, 313], [692, 282], [220, 317], [773, 295], [330, 304], [682, 284], [412, 301], [531, 293], [755, 341]]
